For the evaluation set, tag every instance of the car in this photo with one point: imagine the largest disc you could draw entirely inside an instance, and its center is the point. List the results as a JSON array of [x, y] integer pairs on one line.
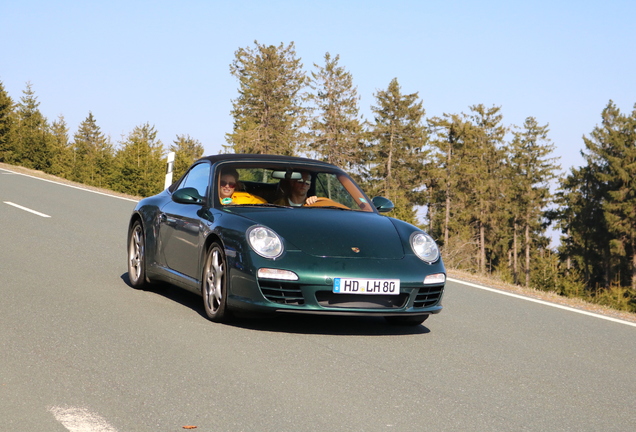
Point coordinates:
[[255, 252]]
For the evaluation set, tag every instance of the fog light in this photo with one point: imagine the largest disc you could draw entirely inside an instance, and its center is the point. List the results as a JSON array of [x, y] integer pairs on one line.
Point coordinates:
[[268, 273], [437, 278]]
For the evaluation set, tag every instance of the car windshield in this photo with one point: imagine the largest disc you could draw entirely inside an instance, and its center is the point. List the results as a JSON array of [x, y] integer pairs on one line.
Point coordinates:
[[288, 186]]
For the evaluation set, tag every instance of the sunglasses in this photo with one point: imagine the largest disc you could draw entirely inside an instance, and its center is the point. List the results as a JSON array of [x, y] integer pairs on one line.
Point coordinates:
[[301, 181], [231, 185]]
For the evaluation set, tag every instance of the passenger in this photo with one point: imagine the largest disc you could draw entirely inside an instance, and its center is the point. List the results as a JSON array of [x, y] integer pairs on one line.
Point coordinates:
[[296, 195], [228, 185]]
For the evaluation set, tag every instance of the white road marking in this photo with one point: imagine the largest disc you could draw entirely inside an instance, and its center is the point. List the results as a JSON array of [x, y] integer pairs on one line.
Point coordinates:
[[80, 420], [26, 209], [567, 308], [71, 186]]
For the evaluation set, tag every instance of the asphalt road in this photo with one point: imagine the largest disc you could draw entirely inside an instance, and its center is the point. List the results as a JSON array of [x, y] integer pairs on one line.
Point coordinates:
[[82, 351]]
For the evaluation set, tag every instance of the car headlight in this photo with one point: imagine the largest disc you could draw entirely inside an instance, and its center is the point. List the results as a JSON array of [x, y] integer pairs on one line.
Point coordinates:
[[424, 247], [265, 241]]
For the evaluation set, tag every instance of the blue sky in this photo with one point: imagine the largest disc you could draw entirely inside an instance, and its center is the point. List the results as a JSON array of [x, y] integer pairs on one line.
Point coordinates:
[[167, 62]]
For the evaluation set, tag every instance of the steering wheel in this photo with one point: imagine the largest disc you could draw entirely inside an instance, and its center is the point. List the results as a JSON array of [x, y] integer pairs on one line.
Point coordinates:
[[326, 202]]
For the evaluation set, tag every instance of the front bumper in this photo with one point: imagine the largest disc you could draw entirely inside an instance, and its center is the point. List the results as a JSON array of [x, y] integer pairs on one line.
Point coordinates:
[[312, 292]]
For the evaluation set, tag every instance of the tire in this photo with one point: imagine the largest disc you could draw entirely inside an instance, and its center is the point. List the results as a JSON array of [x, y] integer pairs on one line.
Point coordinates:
[[137, 256], [406, 320], [214, 284]]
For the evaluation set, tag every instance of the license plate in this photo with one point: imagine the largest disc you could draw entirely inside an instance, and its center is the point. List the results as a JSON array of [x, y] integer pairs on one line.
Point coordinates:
[[366, 286]]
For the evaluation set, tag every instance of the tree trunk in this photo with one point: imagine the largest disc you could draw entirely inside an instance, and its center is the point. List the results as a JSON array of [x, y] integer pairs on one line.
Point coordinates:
[[515, 263], [448, 192], [634, 264], [607, 258], [387, 182], [447, 218], [482, 248], [527, 255]]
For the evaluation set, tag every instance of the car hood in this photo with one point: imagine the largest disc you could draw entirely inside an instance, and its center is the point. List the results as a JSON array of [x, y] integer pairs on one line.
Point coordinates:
[[326, 232]]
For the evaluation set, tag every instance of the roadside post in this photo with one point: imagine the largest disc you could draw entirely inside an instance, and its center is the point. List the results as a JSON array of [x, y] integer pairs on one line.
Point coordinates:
[[169, 169]]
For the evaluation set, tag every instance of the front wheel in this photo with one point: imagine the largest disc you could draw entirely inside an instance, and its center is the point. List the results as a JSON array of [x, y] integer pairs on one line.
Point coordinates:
[[406, 320], [214, 284], [137, 256]]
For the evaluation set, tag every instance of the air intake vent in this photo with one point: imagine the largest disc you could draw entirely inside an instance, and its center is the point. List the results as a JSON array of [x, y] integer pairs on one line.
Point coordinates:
[[281, 292], [361, 301], [428, 296]]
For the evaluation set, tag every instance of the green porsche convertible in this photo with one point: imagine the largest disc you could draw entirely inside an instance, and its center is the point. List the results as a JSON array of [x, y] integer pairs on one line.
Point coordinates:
[[280, 234]]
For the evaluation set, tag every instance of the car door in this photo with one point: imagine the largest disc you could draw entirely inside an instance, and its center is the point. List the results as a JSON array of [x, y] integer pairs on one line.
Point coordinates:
[[180, 225]]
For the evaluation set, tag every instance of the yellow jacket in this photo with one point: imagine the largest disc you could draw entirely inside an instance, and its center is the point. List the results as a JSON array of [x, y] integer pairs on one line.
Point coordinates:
[[243, 198]]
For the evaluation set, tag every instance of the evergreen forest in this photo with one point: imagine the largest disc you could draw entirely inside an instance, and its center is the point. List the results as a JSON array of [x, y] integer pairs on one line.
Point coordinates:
[[487, 191]]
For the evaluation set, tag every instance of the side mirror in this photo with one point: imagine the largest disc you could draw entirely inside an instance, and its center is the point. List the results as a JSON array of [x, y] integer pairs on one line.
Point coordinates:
[[187, 195], [382, 204]]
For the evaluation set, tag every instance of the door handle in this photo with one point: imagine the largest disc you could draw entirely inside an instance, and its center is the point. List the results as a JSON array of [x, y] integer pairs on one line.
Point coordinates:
[[163, 218]]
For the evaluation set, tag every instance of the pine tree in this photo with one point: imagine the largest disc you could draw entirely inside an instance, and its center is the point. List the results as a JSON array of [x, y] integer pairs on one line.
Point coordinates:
[[7, 127], [586, 236], [337, 133], [597, 205], [140, 168], [484, 169], [531, 170], [33, 146], [397, 149], [612, 148], [61, 150], [448, 140], [449, 186], [268, 113], [92, 155], [187, 150]]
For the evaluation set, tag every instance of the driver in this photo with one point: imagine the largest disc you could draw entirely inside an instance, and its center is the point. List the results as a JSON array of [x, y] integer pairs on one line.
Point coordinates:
[[297, 194]]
